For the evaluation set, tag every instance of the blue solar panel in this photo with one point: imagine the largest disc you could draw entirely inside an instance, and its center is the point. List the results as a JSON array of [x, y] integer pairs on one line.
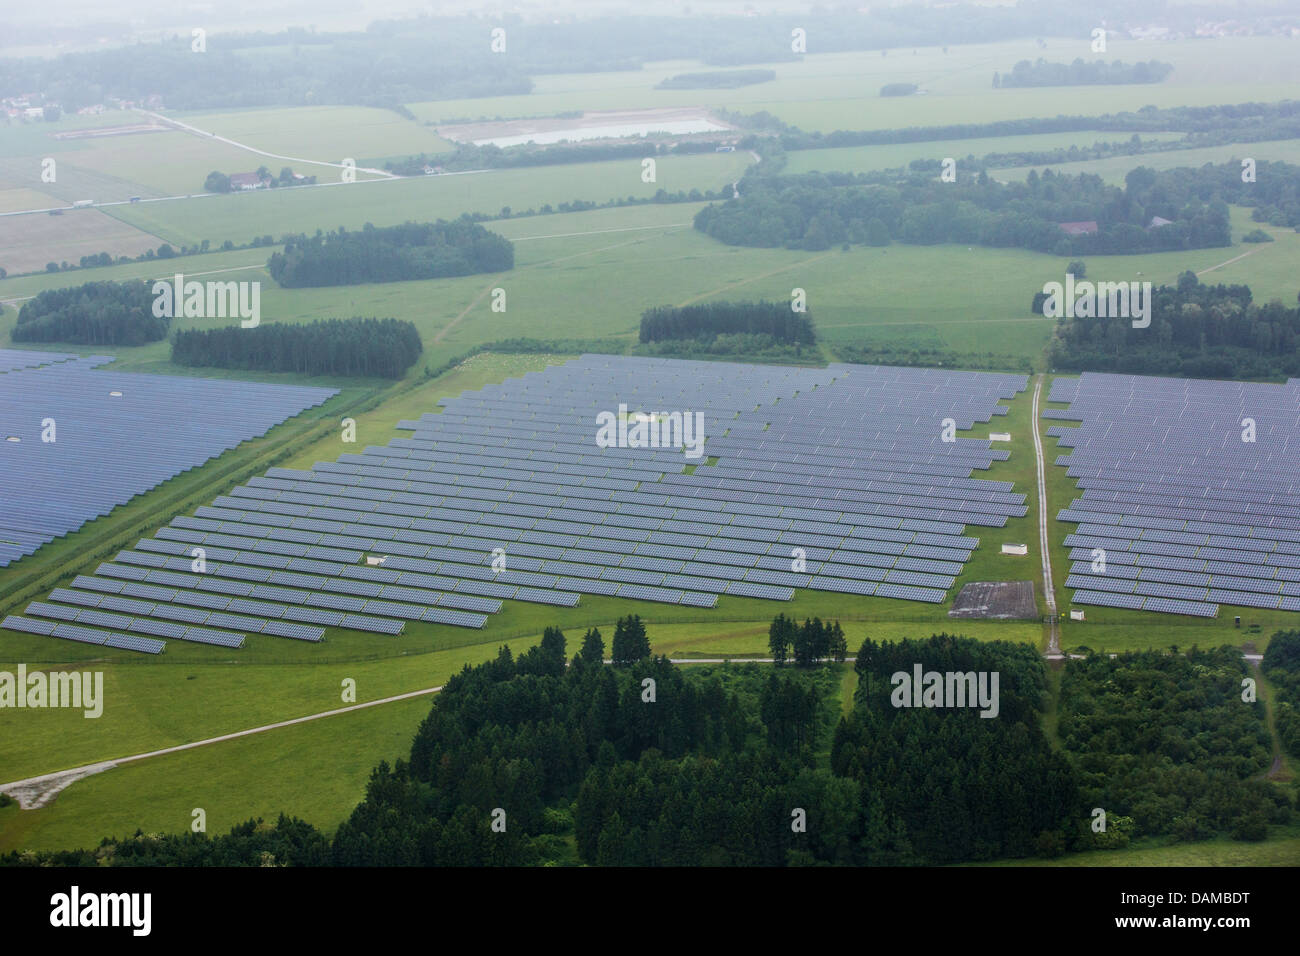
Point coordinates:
[[376, 625]]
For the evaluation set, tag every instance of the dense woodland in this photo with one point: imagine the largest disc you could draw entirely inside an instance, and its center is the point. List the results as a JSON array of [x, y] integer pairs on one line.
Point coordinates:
[[946, 785], [818, 210], [96, 313], [385, 348], [1081, 73], [1197, 330], [1281, 665], [1167, 741], [413, 250]]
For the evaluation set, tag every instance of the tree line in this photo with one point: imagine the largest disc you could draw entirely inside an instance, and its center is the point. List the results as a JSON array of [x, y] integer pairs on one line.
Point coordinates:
[[384, 348], [708, 320], [1082, 73], [96, 313], [806, 643], [413, 250]]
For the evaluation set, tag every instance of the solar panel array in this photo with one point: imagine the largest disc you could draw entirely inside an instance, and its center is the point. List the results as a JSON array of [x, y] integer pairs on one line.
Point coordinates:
[[834, 479], [116, 435], [1187, 511], [12, 359]]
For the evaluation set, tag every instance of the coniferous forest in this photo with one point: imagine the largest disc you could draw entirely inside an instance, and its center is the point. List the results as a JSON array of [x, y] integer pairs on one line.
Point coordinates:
[[413, 250], [385, 348]]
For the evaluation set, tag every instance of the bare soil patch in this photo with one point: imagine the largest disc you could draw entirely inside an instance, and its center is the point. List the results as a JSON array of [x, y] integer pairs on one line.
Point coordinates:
[[999, 600]]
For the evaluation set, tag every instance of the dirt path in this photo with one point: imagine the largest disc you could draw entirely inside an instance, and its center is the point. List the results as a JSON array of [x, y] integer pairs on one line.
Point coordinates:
[[1230, 261], [748, 279]]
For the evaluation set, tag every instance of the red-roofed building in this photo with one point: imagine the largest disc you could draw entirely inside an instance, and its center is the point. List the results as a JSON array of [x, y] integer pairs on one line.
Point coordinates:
[[246, 181]]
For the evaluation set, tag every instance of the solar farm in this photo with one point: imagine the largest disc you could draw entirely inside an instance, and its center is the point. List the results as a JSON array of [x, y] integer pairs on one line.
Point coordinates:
[[834, 479], [1190, 493], [80, 440]]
